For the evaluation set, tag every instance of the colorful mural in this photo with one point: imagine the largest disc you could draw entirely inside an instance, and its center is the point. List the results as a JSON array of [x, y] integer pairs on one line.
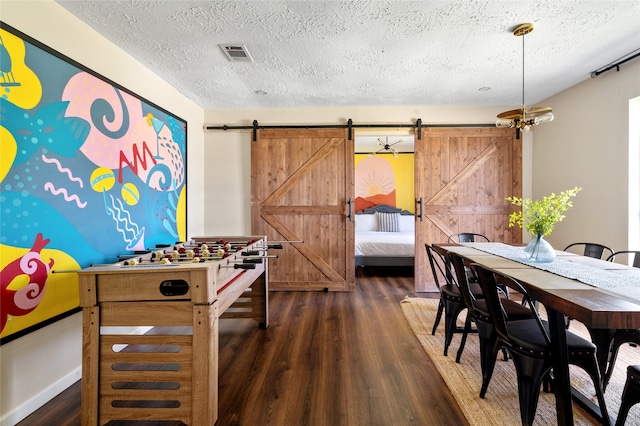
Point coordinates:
[[384, 179], [88, 170]]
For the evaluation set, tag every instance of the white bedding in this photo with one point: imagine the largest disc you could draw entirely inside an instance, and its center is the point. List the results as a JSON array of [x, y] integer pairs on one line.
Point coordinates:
[[373, 243], [370, 242]]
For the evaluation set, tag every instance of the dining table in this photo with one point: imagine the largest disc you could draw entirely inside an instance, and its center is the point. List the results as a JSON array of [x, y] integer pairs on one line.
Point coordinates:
[[602, 295]]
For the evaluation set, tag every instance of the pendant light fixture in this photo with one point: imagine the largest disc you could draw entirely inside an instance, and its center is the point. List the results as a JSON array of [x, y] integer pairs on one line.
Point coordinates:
[[525, 117]]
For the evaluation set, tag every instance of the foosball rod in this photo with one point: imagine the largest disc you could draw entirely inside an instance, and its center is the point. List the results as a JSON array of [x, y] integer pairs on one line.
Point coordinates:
[[233, 243], [276, 245], [239, 266], [252, 259], [245, 260]]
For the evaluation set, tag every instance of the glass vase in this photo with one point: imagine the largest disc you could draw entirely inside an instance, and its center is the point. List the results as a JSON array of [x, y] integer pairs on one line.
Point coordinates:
[[539, 250]]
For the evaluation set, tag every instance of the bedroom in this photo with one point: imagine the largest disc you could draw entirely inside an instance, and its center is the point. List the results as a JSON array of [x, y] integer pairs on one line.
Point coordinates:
[[384, 186]]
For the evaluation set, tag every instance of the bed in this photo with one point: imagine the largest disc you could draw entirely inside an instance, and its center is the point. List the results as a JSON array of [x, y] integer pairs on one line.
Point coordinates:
[[384, 236]]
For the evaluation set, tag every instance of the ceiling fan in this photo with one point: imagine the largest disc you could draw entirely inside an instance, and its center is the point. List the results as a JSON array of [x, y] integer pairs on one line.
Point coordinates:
[[386, 146]]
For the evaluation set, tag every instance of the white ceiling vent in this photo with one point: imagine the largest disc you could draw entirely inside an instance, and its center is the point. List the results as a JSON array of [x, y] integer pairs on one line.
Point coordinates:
[[236, 52]]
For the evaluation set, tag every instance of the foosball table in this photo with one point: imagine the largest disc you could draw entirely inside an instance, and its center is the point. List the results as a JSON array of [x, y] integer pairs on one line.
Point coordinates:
[[170, 373]]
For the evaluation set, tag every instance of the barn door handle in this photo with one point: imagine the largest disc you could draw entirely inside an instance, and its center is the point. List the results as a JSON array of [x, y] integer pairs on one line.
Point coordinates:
[[419, 202], [350, 215]]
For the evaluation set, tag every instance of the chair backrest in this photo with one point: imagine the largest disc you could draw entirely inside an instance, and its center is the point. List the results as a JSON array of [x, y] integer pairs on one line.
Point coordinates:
[[594, 250], [439, 267], [488, 280], [466, 237], [634, 253], [457, 262]]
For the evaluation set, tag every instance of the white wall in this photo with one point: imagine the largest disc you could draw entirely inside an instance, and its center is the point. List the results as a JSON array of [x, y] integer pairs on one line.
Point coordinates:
[[227, 199], [36, 367], [587, 145]]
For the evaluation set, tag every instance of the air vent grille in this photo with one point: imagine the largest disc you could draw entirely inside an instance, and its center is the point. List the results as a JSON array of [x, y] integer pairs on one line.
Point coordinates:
[[236, 52]]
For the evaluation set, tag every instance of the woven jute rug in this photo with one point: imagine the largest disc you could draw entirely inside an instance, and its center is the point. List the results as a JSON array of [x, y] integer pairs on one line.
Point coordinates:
[[500, 405]]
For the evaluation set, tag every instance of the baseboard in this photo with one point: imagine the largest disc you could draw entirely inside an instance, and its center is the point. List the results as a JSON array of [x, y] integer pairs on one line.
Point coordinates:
[[46, 395]]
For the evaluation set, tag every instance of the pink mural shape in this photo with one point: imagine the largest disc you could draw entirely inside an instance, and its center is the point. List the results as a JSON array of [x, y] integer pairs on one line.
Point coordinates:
[[122, 131], [84, 91]]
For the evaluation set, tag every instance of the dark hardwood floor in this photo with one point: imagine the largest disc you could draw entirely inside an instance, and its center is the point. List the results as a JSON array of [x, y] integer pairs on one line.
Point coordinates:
[[337, 358]]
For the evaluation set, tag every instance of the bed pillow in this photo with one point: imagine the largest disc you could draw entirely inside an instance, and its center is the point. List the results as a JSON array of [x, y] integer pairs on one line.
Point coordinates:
[[407, 223], [365, 223], [388, 222]]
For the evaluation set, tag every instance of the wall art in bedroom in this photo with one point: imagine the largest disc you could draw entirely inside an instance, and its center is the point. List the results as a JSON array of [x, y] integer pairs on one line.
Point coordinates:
[[89, 171], [384, 179]]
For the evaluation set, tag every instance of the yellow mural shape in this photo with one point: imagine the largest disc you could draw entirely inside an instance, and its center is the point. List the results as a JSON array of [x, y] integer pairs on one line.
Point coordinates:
[[21, 86], [181, 213], [9, 148], [61, 293]]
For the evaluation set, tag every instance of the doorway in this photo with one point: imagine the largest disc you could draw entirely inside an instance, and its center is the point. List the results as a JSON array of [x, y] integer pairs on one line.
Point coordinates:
[[384, 190]]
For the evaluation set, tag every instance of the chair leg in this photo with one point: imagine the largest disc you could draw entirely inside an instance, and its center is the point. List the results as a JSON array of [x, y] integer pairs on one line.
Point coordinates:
[[487, 370], [465, 332], [612, 363], [488, 353], [589, 364], [530, 372], [567, 322], [451, 312], [438, 316], [630, 397], [603, 340]]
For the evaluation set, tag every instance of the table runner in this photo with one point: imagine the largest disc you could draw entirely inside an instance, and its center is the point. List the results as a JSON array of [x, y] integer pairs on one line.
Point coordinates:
[[586, 274]]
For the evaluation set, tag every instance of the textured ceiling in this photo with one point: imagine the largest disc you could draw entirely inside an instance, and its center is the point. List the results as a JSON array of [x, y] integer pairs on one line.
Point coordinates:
[[367, 53]]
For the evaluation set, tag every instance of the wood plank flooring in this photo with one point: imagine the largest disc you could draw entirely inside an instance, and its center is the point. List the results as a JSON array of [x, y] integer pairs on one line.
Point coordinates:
[[337, 358]]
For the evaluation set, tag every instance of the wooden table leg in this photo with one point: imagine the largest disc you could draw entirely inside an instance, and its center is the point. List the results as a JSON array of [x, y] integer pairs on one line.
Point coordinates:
[[558, 337]]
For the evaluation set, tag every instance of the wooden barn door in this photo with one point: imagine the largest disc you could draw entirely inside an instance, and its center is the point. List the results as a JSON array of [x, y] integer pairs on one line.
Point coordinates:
[[463, 176], [301, 187]]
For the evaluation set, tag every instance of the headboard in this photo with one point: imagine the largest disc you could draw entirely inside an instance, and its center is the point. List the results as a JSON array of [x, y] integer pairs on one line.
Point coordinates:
[[384, 208], [365, 220]]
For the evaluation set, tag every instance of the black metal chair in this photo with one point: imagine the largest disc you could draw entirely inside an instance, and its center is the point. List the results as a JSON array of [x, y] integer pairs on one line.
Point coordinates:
[[466, 237], [634, 253], [630, 394], [528, 343], [595, 250], [477, 313], [620, 337], [451, 302]]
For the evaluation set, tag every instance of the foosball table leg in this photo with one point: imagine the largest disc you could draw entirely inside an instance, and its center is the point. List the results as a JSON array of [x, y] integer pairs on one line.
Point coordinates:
[[205, 364], [90, 365]]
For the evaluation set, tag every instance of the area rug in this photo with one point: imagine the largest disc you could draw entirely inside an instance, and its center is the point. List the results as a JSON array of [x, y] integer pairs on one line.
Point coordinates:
[[500, 405]]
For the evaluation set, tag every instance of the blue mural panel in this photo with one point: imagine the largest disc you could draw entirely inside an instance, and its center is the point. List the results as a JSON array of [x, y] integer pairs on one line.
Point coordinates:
[[89, 171]]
